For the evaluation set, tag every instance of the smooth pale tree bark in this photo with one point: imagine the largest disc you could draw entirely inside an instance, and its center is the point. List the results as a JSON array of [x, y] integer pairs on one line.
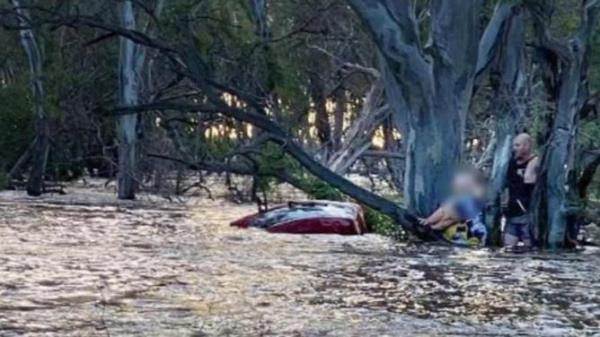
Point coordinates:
[[41, 146], [555, 201], [509, 83], [129, 66], [430, 88], [409, 83]]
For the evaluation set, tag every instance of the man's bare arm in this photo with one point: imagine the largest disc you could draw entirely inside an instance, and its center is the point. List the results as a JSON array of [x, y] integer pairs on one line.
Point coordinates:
[[531, 171]]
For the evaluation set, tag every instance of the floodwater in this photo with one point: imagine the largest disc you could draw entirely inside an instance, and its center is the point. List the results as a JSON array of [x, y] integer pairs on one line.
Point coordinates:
[[86, 265]]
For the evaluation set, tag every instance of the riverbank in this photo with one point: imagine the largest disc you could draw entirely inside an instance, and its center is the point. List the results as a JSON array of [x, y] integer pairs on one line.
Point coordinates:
[[84, 264]]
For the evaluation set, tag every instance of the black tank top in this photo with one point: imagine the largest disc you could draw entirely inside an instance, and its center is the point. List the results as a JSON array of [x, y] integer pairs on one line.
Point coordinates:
[[519, 193]]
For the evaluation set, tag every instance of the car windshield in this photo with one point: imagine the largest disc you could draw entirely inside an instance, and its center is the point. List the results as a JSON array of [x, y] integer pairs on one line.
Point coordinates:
[[304, 211]]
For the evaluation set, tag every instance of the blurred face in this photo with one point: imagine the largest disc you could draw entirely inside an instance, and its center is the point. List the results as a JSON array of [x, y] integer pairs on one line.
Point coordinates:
[[521, 147], [465, 183], [460, 184]]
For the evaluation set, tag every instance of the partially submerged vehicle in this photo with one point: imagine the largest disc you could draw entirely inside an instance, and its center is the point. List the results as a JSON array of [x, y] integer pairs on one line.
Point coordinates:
[[309, 217]]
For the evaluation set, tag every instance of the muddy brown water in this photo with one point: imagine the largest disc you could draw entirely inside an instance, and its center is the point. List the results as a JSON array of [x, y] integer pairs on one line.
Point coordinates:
[[85, 265]]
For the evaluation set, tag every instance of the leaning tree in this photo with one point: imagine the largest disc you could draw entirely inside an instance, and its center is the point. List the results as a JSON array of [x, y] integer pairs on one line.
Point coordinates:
[[428, 86], [430, 65]]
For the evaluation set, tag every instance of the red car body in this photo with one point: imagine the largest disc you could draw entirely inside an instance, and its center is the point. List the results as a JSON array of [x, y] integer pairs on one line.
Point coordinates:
[[309, 217]]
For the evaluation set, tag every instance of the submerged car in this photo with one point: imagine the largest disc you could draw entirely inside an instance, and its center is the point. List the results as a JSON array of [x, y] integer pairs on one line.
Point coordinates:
[[309, 217]]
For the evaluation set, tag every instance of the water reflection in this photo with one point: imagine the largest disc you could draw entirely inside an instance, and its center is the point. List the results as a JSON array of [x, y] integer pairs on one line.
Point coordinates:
[[152, 268]]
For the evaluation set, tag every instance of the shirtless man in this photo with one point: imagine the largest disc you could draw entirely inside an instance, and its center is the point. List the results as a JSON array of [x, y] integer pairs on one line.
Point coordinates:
[[521, 178]]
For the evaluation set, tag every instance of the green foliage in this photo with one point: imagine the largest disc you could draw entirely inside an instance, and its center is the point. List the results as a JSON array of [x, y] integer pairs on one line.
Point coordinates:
[[383, 224], [273, 159], [319, 189], [589, 138], [64, 162], [589, 135], [218, 147], [15, 124], [594, 70], [564, 23], [4, 180]]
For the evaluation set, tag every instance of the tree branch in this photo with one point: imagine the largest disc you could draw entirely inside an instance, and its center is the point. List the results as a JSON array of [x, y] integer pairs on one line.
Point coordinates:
[[404, 218]]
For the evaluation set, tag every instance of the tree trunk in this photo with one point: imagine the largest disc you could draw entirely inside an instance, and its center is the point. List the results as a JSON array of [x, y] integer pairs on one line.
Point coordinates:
[[560, 155], [587, 174], [395, 166], [41, 147], [338, 118], [435, 138], [317, 93], [431, 94], [510, 86], [128, 96], [359, 135], [558, 166]]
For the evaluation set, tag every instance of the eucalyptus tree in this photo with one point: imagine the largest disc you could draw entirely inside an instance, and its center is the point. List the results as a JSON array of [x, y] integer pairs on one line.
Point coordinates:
[[129, 72], [38, 153], [567, 62], [223, 65], [132, 60], [429, 86], [337, 71], [510, 84]]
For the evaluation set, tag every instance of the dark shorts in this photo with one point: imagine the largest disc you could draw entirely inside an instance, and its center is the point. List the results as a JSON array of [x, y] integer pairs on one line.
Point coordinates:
[[519, 227]]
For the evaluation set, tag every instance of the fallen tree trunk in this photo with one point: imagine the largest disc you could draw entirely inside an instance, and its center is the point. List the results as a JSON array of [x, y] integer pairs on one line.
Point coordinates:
[[190, 65], [403, 217]]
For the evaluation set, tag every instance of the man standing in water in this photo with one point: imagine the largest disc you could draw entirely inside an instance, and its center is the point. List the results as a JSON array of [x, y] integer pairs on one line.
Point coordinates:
[[521, 178]]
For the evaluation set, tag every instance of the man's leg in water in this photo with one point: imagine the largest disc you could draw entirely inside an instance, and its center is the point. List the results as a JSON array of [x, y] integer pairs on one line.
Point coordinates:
[[510, 240], [517, 229], [511, 233], [526, 234]]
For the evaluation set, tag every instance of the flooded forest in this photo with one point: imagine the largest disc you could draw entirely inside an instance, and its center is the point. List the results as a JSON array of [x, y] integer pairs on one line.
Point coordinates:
[[299, 168]]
